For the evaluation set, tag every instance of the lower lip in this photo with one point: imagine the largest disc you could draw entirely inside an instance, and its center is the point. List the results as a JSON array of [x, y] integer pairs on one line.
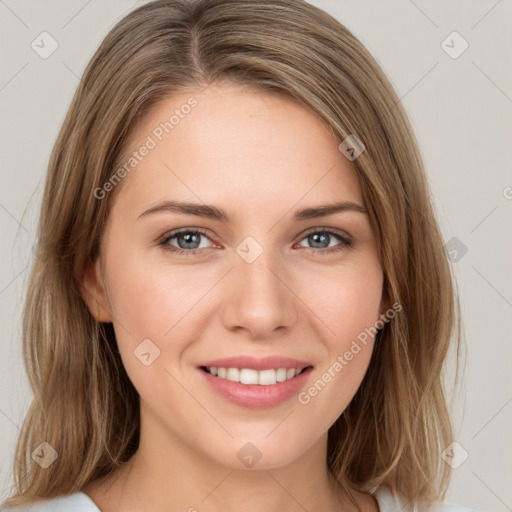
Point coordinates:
[[255, 396]]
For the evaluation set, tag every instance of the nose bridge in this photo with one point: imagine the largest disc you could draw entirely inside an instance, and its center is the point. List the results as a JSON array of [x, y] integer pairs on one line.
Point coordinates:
[[259, 299], [259, 276]]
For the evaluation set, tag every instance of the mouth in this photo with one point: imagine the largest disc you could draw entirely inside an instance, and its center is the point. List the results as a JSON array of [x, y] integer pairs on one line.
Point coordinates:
[[256, 383], [250, 376]]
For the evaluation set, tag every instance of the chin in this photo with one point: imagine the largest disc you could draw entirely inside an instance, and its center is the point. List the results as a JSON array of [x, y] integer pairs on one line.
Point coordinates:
[[260, 453]]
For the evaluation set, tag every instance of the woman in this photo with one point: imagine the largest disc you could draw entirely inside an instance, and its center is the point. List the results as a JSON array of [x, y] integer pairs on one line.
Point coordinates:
[[240, 297]]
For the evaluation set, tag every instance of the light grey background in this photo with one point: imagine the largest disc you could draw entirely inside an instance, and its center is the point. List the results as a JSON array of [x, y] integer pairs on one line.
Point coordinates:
[[461, 111]]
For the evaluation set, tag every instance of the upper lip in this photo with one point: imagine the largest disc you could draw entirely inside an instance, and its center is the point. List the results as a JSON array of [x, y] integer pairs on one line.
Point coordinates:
[[253, 363]]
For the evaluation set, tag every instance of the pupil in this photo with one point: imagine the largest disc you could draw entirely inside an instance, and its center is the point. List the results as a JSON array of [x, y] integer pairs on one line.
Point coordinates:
[[323, 238], [190, 238]]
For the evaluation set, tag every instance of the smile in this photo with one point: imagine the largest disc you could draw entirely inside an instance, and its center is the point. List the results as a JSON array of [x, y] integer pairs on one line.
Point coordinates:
[[261, 389], [249, 376]]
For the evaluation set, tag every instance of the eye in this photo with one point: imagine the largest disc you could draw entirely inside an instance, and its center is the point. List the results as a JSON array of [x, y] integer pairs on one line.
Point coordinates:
[[321, 239], [187, 241]]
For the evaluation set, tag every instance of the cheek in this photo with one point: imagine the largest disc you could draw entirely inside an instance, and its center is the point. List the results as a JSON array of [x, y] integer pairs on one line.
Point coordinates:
[[158, 303], [150, 300], [347, 304], [347, 300]]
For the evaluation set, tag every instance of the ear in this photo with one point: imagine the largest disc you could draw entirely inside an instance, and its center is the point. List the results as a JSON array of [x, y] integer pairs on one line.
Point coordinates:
[[92, 288]]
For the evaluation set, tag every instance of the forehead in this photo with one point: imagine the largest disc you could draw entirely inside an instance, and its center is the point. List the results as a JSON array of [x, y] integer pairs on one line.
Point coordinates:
[[229, 144]]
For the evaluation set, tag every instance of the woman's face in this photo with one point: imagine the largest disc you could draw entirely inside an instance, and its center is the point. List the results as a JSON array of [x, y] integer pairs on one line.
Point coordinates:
[[255, 284]]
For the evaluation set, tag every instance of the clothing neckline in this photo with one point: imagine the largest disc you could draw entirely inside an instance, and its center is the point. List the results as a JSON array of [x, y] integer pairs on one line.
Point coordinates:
[[385, 499]]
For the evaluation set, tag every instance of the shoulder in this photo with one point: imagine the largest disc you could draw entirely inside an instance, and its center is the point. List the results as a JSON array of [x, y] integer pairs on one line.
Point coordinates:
[[76, 502], [389, 502]]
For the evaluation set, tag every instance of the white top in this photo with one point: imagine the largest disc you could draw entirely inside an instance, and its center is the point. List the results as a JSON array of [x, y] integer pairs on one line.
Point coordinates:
[[80, 502]]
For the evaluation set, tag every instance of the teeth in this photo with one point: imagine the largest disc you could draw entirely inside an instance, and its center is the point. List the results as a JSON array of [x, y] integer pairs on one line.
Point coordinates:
[[267, 377], [281, 374], [249, 376]]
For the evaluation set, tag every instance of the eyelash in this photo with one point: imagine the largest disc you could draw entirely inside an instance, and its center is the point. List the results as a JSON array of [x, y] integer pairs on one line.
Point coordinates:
[[345, 242]]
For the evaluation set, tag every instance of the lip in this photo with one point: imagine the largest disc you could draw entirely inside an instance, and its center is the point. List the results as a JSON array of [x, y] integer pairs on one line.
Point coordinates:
[[253, 363], [254, 396]]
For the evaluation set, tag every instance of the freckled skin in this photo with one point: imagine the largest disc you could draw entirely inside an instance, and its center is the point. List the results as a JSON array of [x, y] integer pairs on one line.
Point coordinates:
[[260, 158]]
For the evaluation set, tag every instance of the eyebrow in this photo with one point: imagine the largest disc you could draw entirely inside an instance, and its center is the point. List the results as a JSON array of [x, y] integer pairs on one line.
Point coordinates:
[[216, 213]]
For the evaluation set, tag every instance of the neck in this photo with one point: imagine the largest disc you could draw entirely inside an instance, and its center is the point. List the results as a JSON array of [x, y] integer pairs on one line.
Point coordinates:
[[166, 473]]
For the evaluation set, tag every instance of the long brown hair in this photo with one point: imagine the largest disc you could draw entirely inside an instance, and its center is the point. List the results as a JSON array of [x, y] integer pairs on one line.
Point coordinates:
[[85, 406]]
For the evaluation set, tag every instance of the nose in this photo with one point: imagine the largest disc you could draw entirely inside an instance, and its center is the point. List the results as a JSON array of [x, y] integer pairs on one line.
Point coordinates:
[[260, 299]]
